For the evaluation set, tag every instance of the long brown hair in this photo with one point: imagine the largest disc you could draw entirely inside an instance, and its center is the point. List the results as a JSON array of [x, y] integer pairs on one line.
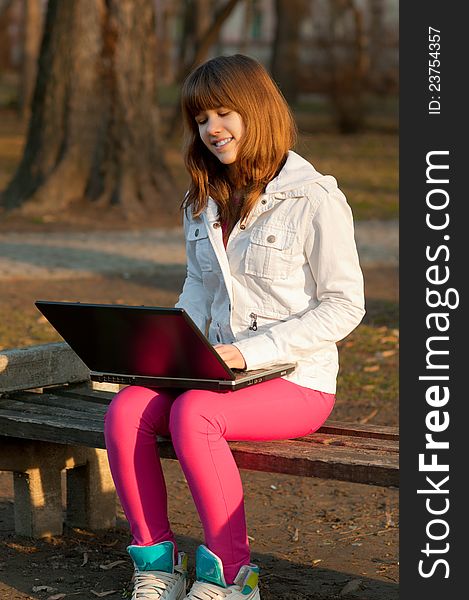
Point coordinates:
[[241, 84]]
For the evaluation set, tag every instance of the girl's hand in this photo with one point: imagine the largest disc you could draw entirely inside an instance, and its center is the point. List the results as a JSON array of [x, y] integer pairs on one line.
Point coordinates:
[[231, 355]]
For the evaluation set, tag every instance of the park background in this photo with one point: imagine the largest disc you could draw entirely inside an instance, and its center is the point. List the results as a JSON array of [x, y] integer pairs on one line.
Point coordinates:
[[91, 178]]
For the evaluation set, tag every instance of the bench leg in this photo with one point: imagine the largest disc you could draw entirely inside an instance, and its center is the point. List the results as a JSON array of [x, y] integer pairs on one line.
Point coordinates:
[[37, 467], [91, 496], [38, 502]]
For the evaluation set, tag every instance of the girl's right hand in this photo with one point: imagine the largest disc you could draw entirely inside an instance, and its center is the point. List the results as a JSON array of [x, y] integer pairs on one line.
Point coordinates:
[[231, 355]]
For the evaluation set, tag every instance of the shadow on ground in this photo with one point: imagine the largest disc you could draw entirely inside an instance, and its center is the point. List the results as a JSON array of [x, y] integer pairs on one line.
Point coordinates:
[[80, 563]]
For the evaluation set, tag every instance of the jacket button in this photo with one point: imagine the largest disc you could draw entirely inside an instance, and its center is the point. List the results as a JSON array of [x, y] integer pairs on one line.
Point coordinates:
[[263, 201], [271, 239], [196, 232], [216, 225], [242, 226]]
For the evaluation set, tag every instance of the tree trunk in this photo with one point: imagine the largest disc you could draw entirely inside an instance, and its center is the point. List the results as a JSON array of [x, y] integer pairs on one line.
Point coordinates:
[[94, 137], [207, 38], [5, 41], [349, 65], [246, 26], [32, 33], [196, 19], [201, 50], [164, 41], [376, 44], [286, 62]]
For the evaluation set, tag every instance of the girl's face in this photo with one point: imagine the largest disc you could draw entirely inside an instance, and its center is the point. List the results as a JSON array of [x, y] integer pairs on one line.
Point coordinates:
[[221, 130]]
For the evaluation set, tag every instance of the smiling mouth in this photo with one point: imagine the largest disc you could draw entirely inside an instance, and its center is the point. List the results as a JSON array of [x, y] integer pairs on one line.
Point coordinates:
[[222, 143]]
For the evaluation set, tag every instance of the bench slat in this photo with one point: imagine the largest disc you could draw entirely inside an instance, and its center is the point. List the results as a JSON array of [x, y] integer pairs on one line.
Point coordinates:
[[357, 466], [84, 393], [346, 457], [39, 366], [350, 441], [51, 428], [47, 409], [55, 401], [381, 432], [38, 411]]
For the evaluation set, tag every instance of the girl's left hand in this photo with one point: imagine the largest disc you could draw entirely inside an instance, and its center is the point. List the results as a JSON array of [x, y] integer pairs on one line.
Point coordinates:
[[231, 355]]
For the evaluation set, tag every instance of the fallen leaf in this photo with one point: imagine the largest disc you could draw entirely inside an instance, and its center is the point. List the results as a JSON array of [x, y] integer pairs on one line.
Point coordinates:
[[56, 597], [388, 353], [352, 586], [103, 594], [316, 561], [389, 520], [85, 559], [388, 338], [371, 368], [295, 535], [372, 414], [43, 588], [112, 565]]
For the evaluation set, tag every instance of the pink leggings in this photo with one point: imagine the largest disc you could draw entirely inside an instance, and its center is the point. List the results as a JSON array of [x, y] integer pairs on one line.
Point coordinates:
[[201, 423]]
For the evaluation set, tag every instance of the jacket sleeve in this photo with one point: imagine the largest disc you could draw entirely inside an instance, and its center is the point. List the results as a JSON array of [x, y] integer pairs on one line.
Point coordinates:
[[194, 298], [332, 256]]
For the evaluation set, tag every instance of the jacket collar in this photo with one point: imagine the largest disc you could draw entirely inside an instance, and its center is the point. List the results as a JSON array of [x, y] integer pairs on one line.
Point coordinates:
[[295, 175], [293, 181]]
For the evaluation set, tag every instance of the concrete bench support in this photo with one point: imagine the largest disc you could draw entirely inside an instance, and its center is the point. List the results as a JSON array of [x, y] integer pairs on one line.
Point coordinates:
[[37, 468]]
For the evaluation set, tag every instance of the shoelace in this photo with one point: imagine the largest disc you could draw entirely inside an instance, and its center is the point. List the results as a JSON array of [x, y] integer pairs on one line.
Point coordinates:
[[153, 585], [206, 591]]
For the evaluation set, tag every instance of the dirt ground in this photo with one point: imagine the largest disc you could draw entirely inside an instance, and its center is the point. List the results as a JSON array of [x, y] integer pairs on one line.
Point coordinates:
[[313, 539]]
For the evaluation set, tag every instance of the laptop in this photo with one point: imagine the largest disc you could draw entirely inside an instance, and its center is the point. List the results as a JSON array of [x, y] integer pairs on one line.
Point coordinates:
[[148, 346]]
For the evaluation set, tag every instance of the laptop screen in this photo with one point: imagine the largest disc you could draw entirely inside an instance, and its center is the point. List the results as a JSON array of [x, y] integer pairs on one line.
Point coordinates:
[[135, 340]]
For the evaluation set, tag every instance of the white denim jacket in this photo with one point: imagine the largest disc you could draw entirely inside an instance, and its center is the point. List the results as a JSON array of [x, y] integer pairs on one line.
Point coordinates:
[[292, 270]]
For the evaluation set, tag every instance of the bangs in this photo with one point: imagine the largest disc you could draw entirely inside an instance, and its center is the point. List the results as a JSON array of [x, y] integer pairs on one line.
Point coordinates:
[[206, 90]]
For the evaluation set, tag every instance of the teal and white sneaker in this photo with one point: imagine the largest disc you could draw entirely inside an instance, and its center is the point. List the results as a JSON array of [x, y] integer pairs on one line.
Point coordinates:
[[211, 584], [156, 576]]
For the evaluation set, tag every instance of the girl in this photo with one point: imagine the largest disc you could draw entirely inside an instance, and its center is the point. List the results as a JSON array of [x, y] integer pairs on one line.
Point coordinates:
[[272, 276]]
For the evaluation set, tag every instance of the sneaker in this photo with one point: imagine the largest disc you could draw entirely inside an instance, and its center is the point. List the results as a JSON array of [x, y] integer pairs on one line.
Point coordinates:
[[211, 584], [156, 576]]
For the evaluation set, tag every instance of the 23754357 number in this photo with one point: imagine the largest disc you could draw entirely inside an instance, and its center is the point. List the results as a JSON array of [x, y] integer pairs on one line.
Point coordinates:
[[434, 75]]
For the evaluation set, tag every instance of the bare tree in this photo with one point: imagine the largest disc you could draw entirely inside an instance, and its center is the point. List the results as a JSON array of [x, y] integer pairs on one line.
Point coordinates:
[[196, 20], [349, 64], [376, 35], [94, 134], [5, 42], [205, 40], [246, 25], [165, 12], [286, 60], [31, 34]]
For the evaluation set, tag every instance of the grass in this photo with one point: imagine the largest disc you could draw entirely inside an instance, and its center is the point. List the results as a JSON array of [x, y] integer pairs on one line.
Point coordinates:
[[365, 166], [368, 382], [19, 328]]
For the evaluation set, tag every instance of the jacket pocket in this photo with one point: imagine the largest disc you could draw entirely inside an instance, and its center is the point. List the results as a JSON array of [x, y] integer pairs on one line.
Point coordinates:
[[269, 252], [198, 236]]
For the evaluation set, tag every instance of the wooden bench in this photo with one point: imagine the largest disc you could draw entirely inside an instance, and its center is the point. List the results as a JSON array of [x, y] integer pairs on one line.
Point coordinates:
[[51, 423]]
